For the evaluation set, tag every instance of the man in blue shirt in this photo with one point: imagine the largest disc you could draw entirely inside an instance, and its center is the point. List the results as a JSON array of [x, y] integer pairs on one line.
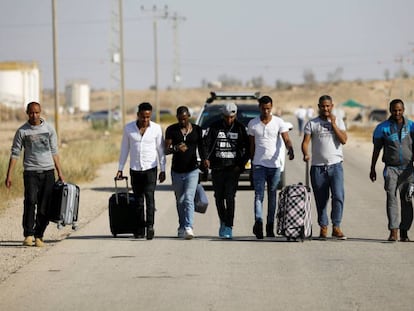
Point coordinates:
[[395, 137]]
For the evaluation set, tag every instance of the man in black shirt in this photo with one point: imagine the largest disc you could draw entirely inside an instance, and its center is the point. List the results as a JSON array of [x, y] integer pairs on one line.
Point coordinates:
[[182, 139], [227, 146]]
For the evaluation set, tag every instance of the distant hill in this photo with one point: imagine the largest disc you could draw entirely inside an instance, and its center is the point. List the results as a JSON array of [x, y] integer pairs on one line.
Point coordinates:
[[369, 93]]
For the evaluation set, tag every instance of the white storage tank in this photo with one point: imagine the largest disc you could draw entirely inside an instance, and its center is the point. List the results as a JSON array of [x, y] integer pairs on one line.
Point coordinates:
[[77, 97], [19, 83]]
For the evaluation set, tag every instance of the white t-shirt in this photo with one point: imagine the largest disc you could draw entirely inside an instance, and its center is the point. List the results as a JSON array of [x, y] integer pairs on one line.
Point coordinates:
[[300, 113], [326, 147], [266, 137]]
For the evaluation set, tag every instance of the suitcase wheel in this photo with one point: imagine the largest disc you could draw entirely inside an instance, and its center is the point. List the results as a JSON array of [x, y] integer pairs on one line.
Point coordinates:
[[59, 226], [74, 226]]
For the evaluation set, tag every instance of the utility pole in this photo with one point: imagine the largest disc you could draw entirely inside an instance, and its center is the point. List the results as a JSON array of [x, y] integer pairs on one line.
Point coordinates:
[[156, 14], [55, 70], [176, 71], [121, 62], [117, 88]]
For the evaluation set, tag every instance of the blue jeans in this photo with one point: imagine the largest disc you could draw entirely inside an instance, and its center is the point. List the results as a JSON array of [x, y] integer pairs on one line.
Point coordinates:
[[185, 185], [326, 179], [261, 176]]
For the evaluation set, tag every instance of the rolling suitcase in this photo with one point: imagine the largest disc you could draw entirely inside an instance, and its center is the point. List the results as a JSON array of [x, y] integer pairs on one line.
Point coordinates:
[[293, 218], [124, 214], [64, 205]]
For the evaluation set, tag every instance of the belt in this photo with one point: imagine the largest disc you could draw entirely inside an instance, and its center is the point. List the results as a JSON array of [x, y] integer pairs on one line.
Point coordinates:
[[40, 171]]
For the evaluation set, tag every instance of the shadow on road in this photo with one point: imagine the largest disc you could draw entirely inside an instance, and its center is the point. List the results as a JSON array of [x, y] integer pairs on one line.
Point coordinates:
[[278, 239], [122, 189]]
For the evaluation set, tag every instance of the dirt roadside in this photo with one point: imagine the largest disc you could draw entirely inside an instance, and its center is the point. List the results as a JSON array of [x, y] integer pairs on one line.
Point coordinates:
[[93, 201]]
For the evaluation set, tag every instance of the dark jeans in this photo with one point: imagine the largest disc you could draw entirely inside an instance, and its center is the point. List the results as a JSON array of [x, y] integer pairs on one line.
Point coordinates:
[[143, 185], [38, 188], [225, 183]]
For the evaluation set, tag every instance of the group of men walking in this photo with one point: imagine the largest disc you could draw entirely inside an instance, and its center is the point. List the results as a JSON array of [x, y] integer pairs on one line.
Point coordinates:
[[225, 149]]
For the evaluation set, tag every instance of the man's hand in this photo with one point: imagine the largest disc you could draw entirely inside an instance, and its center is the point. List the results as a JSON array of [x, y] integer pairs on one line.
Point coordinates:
[[119, 175], [291, 154], [373, 175], [8, 182], [332, 117], [161, 177]]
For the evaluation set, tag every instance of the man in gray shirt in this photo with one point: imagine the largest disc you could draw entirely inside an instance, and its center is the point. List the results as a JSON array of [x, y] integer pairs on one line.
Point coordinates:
[[327, 133], [40, 158]]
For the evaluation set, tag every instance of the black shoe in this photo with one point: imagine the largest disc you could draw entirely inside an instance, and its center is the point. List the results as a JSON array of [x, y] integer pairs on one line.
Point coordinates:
[[404, 236], [258, 229], [150, 233], [269, 230]]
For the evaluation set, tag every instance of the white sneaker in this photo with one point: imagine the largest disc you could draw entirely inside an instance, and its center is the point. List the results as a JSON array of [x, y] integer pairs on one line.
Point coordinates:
[[181, 232], [189, 234]]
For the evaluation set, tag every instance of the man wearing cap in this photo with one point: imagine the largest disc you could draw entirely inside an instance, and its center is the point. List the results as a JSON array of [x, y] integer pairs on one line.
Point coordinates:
[[227, 149], [265, 132]]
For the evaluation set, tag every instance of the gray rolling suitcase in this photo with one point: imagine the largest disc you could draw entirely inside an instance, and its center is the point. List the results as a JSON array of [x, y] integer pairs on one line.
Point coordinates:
[[64, 205], [293, 218]]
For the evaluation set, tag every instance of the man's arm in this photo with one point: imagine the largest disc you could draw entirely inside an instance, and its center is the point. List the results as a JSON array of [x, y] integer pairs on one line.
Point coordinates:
[[252, 146], [12, 164], [340, 134], [305, 147], [288, 144], [161, 155], [375, 155], [56, 160]]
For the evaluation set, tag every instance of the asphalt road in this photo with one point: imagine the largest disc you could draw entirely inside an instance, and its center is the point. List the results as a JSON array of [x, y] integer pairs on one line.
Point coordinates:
[[90, 270]]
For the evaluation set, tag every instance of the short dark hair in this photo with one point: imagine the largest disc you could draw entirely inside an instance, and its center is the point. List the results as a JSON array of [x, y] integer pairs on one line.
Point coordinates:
[[395, 102], [183, 109], [323, 98], [31, 104], [265, 100], [144, 107]]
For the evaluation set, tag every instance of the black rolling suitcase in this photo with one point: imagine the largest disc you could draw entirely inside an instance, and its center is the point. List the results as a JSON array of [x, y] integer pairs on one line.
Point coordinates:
[[293, 218], [124, 214], [64, 205]]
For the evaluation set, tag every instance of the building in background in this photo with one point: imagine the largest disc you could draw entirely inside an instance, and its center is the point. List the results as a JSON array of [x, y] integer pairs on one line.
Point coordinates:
[[19, 84], [77, 97]]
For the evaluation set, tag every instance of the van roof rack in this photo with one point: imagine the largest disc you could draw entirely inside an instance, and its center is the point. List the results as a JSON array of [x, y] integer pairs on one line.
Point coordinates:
[[232, 96]]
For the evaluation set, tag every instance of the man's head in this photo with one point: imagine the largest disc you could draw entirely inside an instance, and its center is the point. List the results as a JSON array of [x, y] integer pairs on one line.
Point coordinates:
[[144, 114], [265, 106], [229, 111], [325, 106], [33, 110], [183, 116], [397, 109]]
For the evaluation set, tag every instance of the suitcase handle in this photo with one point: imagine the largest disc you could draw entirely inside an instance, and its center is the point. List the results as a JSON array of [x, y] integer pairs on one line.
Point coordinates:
[[116, 188], [307, 175]]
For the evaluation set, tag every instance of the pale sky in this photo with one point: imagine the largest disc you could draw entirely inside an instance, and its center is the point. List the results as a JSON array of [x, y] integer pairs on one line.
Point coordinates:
[[273, 39]]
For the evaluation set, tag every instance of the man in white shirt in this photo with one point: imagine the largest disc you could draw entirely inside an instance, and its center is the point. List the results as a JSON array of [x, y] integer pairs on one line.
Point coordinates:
[[143, 141], [264, 135], [300, 114]]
